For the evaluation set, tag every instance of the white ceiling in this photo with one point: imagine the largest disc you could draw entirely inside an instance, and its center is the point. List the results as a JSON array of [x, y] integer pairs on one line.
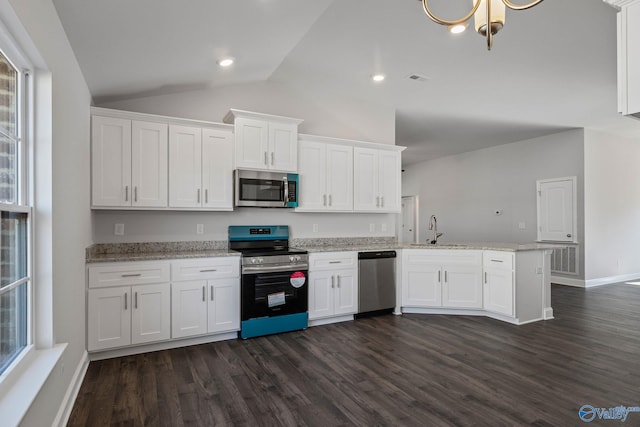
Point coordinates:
[[552, 67]]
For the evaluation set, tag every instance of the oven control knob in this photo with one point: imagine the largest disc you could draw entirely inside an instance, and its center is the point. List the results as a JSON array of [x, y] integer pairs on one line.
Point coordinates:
[[292, 258], [260, 260], [297, 257]]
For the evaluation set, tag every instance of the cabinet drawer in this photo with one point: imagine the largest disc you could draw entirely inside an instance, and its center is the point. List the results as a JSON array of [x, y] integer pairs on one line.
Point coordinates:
[[130, 273], [332, 260], [498, 259], [205, 268]]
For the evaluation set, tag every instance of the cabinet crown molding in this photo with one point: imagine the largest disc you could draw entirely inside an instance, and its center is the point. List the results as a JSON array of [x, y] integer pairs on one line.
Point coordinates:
[[233, 113], [619, 4]]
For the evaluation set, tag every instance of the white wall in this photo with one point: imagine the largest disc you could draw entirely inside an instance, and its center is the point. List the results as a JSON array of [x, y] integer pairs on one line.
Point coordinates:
[[70, 217], [465, 190], [181, 226], [612, 206], [339, 118]]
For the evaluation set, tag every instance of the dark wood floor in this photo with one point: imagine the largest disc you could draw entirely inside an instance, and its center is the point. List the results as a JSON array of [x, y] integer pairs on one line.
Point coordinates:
[[411, 370]]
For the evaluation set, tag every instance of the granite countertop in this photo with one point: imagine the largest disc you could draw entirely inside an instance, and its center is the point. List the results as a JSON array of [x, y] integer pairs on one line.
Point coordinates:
[[494, 246]]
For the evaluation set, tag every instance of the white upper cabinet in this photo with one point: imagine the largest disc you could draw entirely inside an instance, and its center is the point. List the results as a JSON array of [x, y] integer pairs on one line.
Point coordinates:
[[200, 168], [265, 142], [628, 56], [129, 163], [326, 176], [557, 215], [376, 180]]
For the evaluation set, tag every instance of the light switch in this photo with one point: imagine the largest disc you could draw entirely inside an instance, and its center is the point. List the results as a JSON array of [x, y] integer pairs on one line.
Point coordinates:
[[119, 230], [199, 228]]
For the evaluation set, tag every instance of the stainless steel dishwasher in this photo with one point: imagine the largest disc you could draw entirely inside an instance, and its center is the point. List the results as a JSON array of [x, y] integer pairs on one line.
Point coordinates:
[[377, 282]]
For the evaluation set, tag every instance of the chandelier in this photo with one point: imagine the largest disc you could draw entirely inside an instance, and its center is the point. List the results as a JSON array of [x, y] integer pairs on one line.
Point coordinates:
[[488, 14]]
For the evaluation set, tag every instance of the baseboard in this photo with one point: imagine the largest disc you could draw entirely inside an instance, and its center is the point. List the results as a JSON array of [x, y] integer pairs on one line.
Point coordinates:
[[613, 279], [568, 281], [62, 417]]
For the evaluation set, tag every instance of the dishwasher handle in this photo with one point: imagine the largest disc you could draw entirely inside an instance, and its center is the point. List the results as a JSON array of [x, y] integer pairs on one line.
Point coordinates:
[[377, 254]]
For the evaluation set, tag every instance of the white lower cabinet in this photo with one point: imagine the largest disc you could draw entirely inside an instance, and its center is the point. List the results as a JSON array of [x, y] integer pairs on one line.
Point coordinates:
[[210, 304], [441, 278], [499, 282], [128, 315], [333, 284]]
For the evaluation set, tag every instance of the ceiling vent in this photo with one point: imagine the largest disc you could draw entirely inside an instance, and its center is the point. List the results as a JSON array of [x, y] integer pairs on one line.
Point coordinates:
[[417, 77]]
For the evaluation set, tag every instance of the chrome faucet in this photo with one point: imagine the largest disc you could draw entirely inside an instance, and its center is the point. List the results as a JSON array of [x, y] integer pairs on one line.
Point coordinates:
[[433, 225]]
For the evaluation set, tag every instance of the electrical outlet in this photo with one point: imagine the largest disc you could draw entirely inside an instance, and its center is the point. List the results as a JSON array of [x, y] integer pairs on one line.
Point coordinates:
[[522, 226], [315, 228], [372, 228], [383, 227], [538, 270], [119, 230], [199, 228]]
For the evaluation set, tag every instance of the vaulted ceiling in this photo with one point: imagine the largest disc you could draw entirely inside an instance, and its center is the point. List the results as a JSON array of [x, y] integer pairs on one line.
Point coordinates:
[[552, 67]]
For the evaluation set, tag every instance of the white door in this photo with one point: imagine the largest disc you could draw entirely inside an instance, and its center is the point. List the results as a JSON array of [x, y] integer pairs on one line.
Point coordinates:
[[109, 318], [421, 285], [339, 178], [346, 298], [217, 169], [188, 308], [462, 287], [149, 167], [185, 167], [557, 210], [321, 297], [365, 179], [151, 313], [408, 227], [283, 147], [251, 143], [312, 175], [110, 161], [389, 170], [224, 305]]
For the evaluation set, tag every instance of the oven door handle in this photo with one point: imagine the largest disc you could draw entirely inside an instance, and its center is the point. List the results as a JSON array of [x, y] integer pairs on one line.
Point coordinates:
[[288, 267]]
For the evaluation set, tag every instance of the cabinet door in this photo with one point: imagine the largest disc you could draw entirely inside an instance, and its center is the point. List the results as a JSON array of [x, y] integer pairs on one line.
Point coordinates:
[[109, 318], [321, 294], [110, 161], [185, 163], [217, 169], [421, 285], [224, 305], [252, 145], [283, 147], [389, 172], [339, 178], [346, 292], [313, 169], [188, 308], [149, 165], [365, 179], [462, 286], [151, 313], [498, 291]]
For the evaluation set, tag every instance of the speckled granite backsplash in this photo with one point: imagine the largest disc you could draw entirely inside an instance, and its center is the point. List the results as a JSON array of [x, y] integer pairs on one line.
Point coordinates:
[[154, 247], [341, 241]]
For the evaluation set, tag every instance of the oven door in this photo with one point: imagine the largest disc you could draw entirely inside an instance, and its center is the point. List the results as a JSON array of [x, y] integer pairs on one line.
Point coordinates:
[[274, 293]]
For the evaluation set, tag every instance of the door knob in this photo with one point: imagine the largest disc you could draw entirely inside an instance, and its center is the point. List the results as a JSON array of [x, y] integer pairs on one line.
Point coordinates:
[[569, 235]]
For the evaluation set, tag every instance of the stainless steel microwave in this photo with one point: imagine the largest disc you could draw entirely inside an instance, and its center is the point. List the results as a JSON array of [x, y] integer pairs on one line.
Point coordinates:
[[266, 189]]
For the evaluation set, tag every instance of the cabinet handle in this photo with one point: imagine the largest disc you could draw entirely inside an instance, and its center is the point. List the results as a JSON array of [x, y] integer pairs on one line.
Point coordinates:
[[439, 279], [126, 193], [266, 162], [377, 201], [485, 277], [211, 292], [332, 282], [496, 260], [211, 270], [272, 158], [198, 195], [204, 298], [382, 201], [135, 300], [135, 193], [445, 276], [131, 275], [324, 200], [330, 200], [338, 279], [335, 262], [125, 300], [206, 195]]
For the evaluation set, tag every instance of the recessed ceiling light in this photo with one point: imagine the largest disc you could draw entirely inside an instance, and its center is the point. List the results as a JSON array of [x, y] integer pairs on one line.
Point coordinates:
[[377, 77], [226, 62], [457, 29]]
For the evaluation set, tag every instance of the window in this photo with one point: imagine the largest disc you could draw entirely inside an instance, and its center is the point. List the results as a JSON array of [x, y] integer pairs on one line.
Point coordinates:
[[15, 283]]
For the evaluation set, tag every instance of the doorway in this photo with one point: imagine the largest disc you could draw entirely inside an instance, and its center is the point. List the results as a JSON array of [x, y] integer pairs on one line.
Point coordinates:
[[408, 220]]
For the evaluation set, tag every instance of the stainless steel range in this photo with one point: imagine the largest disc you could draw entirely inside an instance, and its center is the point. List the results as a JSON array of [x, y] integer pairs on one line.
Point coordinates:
[[274, 284]]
